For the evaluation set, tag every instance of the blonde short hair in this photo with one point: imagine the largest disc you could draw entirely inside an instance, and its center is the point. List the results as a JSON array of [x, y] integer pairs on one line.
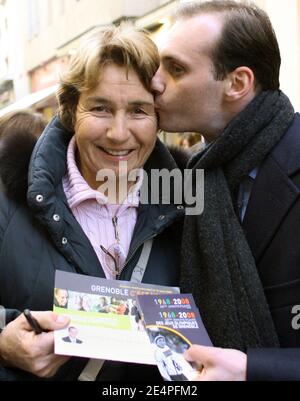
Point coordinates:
[[124, 45]]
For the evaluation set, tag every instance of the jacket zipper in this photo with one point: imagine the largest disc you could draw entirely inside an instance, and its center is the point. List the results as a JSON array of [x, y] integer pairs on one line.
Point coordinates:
[[134, 252], [117, 238], [115, 224], [117, 271]]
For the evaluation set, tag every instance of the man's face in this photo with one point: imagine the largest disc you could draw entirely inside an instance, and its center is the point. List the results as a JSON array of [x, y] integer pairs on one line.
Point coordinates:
[[62, 297], [73, 333], [188, 98]]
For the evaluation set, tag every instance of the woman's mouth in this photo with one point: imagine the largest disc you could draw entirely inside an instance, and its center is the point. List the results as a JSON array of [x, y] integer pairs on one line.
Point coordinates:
[[115, 152]]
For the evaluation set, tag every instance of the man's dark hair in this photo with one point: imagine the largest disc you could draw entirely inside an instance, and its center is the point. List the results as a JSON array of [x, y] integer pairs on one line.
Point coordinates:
[[72, 328], [247, 39]]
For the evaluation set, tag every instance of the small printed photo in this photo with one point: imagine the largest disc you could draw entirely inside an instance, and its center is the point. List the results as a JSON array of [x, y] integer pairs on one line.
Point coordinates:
[[83, 302], [61, 298], [169, 347], [103, 304], [136, 320], [78, 301], [72, 336]]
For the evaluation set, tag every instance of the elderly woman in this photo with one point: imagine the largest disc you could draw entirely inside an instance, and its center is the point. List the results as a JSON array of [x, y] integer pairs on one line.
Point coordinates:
[[67, 221]]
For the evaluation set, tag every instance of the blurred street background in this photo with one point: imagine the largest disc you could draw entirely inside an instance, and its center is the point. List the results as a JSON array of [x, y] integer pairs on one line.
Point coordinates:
[[37, 38]]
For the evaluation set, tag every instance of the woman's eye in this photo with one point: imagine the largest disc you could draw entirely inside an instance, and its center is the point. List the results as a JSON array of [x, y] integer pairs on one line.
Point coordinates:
[[138, 110], [100, 109]]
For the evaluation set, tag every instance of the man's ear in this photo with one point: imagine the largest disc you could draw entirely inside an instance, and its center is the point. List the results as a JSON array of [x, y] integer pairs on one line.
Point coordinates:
[[239, 84]]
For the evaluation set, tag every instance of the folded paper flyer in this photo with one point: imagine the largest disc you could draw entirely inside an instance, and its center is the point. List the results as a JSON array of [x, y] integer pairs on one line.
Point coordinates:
[[104, 319], [173, 323]]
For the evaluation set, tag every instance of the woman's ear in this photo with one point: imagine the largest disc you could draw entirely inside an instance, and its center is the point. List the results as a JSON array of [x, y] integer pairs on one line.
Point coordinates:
[[239, 84]]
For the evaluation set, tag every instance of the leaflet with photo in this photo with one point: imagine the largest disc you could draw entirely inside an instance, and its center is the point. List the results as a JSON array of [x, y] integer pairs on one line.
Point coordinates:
[[104, 318], [173, 323]]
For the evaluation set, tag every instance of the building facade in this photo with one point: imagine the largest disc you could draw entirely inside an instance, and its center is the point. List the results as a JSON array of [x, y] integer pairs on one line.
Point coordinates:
[[13, 73], [46, 33], [37, 38]]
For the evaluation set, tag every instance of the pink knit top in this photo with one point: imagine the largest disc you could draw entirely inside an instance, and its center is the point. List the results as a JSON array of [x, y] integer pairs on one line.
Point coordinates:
[[96, 216]]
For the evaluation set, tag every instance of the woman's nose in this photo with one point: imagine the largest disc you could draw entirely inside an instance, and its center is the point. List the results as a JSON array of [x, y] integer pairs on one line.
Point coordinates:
[[119, 131]]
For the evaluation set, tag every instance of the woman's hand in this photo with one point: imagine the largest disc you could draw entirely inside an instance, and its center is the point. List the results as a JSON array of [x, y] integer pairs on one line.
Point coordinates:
[[21, 348], [217, 364]]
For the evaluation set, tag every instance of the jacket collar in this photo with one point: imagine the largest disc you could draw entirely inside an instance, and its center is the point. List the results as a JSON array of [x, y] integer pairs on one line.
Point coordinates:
[[46, 198], [48, 165]]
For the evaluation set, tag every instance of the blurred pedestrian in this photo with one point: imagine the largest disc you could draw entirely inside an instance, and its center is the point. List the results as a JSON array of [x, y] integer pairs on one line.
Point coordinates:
[[19, 130]]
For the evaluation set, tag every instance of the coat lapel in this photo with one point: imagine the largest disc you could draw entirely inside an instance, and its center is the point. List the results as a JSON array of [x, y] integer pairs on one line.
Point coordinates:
[[274, 192], [272, 197]]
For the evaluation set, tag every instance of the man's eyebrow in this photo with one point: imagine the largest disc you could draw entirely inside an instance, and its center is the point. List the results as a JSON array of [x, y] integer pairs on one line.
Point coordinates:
[[171, 59]]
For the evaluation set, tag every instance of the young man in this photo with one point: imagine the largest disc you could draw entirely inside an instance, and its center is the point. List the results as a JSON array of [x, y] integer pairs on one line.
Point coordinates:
[[219, 75], [72, 337]]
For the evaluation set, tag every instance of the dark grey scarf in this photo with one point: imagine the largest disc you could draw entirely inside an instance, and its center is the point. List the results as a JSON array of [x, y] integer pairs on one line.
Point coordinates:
[[218, 266]]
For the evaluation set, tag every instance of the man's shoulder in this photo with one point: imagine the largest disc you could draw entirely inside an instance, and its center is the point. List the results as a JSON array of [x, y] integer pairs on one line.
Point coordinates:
[[286, 152]]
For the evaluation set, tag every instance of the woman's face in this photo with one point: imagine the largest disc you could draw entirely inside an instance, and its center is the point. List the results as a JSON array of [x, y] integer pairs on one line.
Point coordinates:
[[115, 122]]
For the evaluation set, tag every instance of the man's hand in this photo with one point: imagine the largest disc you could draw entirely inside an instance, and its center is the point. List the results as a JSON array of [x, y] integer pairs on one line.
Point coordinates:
[[21, 348], [217, 364]]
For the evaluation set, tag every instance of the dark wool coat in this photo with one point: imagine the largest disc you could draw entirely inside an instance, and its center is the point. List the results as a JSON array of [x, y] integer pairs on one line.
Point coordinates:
[[272, 227], [33, 244]]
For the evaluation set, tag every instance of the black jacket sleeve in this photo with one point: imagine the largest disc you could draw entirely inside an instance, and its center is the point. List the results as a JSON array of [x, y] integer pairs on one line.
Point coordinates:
[[269, 364], [11, 314]]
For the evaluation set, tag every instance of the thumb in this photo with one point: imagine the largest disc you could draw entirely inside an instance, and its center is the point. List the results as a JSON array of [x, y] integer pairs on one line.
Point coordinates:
[[198, 354], [50, 321]]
